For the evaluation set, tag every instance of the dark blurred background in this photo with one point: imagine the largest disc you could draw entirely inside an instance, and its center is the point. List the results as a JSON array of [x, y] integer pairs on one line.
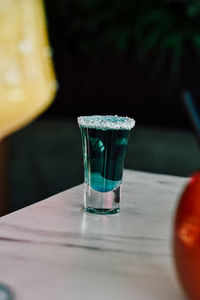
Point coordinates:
[[113, 57]]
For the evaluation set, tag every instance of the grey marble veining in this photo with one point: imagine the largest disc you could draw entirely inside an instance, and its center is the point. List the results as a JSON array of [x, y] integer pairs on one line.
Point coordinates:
[[53, 250]]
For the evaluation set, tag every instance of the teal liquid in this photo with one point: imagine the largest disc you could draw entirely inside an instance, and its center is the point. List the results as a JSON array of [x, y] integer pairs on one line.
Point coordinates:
[[104, 152]]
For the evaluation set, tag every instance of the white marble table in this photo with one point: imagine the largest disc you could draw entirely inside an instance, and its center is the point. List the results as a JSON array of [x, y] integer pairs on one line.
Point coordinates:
[[52, 250]]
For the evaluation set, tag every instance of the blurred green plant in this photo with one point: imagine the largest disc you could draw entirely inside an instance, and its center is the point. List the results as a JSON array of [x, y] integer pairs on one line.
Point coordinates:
[[162, 29]]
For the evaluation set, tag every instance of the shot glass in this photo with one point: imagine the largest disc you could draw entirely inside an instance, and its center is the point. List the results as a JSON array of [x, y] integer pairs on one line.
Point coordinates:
[[104, 142]]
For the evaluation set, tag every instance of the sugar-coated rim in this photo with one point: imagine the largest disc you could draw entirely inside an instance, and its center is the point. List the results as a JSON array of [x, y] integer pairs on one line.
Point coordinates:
[[106, 122]]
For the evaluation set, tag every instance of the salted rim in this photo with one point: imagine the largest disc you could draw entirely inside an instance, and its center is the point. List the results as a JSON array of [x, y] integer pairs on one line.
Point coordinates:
[[106, 122]]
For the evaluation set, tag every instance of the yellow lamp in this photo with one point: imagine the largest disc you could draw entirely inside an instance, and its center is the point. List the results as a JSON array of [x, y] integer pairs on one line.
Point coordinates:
[[27, 79]]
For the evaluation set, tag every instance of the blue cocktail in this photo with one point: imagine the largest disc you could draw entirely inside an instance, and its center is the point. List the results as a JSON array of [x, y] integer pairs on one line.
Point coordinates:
[[104, 140]]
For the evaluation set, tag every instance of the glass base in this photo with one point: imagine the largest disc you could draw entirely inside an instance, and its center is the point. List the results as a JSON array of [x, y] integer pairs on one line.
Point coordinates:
[[102, 211], [102, 203]]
